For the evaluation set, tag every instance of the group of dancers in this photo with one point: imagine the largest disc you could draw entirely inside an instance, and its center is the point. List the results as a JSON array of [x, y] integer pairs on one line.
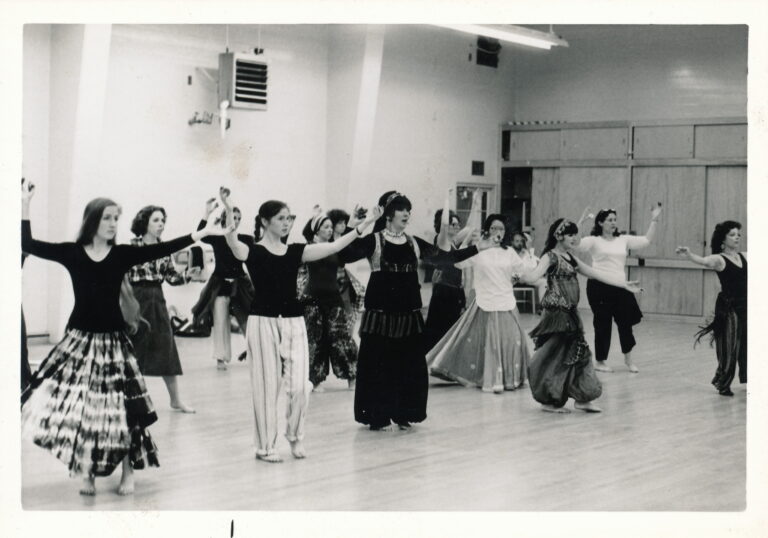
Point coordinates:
[[87, 403]]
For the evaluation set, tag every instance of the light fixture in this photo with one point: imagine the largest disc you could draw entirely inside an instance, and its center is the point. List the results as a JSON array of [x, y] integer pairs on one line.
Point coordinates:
[[512, 34]]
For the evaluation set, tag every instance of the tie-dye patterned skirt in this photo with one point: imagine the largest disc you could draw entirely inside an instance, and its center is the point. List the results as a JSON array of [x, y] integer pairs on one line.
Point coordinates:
[[88, 405]]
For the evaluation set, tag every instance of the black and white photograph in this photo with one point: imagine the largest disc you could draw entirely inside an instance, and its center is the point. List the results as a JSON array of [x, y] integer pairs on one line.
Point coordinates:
[[303, 267]]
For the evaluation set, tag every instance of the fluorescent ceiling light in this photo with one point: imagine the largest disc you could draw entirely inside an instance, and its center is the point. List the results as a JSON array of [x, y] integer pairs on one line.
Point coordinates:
[[512, 34]]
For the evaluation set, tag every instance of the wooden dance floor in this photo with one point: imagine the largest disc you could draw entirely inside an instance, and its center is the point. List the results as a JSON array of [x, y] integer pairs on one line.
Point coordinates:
[[665, 441]]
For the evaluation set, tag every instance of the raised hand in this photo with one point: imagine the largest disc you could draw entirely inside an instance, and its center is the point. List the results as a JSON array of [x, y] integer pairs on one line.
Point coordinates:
[[27, 190], [586, 215], [656, 211], [212, 228], [210, 205], [374, 213], [224, 196]]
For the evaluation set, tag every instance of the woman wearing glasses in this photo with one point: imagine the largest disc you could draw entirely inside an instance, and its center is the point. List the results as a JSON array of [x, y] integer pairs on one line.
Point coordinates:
[[612, 304], [487, 347]]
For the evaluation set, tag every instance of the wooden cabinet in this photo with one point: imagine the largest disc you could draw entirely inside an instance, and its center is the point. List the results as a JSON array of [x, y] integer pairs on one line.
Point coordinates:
[[534, 145], [598, 143], [663, 142], [695, 168], [721, 141]]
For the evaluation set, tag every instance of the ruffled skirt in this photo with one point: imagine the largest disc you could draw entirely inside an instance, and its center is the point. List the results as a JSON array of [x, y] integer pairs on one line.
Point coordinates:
[[483, 349], [88, 405]]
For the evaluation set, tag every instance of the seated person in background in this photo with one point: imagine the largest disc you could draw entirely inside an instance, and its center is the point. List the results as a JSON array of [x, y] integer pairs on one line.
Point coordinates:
[[520, 243]]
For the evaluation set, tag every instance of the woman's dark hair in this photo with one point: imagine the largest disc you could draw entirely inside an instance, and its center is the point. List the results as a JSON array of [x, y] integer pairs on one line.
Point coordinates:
[[718, 236], [439, 219], [91, 219], [309, 233], [337, 216], [391, 201], [559, 227], [597, 229], [141, 220], [267, 211], [486, 228]]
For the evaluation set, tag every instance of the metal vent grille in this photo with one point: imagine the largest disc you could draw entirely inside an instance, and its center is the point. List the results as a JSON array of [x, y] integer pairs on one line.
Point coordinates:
[[243, 80]]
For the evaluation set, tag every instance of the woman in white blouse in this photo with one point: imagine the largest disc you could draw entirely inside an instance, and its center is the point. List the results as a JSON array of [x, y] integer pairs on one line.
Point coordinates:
[[487, 347], [609, 304]]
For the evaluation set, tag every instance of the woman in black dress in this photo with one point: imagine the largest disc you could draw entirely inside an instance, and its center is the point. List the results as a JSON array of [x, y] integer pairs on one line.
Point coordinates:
[[448, 300], [728, 328], [88, 403], [392, 379], [229, 291]]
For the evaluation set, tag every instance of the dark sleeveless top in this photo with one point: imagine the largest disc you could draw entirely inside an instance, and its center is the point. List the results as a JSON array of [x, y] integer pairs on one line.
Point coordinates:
[[447, 275], [733, 279]]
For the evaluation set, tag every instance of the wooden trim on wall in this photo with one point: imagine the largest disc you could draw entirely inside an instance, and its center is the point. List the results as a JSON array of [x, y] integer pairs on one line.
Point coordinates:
[[623, 162], [732, 120]]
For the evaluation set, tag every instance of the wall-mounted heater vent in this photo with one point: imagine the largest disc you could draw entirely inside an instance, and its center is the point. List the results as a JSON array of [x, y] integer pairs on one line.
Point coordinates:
[[243, 80]]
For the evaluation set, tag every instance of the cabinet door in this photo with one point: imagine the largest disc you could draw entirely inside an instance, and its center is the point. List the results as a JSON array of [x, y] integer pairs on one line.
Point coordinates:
[[721, 141], [681, 190], [664, 142], [726, 200], [598, 143], [534, 145], [545, 196]]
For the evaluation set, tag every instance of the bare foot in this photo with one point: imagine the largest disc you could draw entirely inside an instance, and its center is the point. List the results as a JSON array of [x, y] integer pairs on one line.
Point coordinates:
[[89, 486], [351, 384], [221, 365], [181, 407], [589, 407], [632, 368], [553, 409], [270, 457], [405, 426], [387, 428], [297, 449], [318, 388], [126, 486]]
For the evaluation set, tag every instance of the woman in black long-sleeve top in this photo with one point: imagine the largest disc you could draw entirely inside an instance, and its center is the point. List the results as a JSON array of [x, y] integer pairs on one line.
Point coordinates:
[[88, 403], [392, 379], [228, 292]]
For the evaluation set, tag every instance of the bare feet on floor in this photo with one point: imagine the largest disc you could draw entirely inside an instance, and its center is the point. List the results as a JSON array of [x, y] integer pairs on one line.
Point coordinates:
[[318, 388], [221, 365], [387, 428], [553, 409], [297, 449], [589, 407], [182, 407], [126, 486], [271, 457], [89, 486], [631, 365], [351, 384]]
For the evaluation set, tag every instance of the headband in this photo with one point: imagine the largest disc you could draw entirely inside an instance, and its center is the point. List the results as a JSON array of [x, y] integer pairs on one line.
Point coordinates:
[[562, 226], [391, 198], [317, 221], [608, 210]]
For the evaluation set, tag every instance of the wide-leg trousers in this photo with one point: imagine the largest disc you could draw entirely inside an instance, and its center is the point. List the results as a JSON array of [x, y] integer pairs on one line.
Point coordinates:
[[278, 355]]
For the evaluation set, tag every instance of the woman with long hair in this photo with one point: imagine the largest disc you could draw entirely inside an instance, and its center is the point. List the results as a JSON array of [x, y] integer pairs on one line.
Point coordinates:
[[561, 366], [276, 332], [614, 304], [448, 300], [487, 347], [228, 292], [87, 403], [392, 379], [351, 288], [728, 328], [328, 331], [155, 348]]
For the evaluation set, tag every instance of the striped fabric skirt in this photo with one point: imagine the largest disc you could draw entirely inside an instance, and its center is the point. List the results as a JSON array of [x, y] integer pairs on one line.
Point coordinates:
[[88, 405]]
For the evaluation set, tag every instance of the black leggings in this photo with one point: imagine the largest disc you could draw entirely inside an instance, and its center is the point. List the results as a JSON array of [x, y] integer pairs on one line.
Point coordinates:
[[612, 304]]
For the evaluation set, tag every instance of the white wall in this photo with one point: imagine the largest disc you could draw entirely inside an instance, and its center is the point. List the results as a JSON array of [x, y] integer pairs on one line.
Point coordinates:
[[633, 72], [437, 113]]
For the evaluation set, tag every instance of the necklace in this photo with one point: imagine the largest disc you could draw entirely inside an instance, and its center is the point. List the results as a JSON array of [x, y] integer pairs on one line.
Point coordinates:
[[394, 235]]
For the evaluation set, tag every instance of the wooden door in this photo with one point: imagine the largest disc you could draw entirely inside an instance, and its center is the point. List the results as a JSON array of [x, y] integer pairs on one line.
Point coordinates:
[[545, 186], [671, 285]]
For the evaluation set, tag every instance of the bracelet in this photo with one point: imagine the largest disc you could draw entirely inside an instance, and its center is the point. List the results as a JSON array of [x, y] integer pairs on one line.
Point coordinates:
[[358, 232]]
